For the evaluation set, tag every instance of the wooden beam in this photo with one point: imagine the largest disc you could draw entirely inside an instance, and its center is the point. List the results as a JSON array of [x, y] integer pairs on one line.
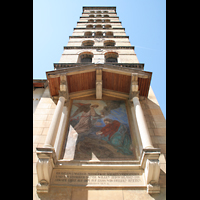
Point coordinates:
[[106, 92], [116, 94], [84, 93]]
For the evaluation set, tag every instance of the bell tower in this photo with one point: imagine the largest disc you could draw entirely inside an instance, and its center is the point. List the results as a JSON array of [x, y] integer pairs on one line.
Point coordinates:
[[106, 127], [99, 38]]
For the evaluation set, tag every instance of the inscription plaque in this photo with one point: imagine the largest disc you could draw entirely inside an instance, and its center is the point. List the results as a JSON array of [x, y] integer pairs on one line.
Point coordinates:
[[95, 178]]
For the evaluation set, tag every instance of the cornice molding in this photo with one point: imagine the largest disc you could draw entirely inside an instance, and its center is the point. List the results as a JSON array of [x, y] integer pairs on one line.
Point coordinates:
[[101, 22], [121, 66], [118, 68], [96, 37], [99, 29], [99, 47]]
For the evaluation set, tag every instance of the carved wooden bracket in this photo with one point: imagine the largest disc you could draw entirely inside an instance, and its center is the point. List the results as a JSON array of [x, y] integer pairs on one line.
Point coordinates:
[[64, 94], [134, 86], [46, 162], [134, 94], [64, 88]]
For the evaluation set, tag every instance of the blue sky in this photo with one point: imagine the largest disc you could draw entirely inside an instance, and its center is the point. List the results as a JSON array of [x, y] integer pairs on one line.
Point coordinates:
[[144, 22]]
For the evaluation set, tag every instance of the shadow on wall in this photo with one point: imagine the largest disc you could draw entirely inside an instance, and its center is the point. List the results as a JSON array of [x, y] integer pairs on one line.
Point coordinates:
[[67, 193], [157, 128], [75, 193]]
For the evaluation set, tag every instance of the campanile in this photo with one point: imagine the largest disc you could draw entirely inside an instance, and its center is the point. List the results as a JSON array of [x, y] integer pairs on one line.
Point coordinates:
[[98, 128]]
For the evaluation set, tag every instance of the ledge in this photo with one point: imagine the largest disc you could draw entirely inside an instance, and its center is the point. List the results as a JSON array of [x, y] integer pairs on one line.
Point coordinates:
[[130, 65], [122, 65], [99, 28], [99, 8], [99, 13], [101, 22], [99, 37], [99, 17]]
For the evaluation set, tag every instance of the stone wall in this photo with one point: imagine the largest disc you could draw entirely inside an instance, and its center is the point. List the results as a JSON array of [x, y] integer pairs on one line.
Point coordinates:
[[118, 41], [41, 121], [37, 94]]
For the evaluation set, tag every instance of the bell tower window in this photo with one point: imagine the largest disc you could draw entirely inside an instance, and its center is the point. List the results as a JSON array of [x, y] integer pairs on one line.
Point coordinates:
[[111, 57], [88, 43], [109, 43], [86, 57]]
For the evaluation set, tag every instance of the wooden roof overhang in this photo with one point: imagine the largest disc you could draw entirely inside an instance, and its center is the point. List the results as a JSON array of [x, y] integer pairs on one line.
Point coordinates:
[[81, 79], [39, 83]]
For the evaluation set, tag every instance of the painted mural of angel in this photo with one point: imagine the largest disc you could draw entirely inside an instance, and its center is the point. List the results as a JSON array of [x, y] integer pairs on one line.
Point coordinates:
[[85, 122]]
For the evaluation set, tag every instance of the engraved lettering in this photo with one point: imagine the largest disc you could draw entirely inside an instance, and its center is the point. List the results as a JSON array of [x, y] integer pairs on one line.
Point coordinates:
[[96, 178]]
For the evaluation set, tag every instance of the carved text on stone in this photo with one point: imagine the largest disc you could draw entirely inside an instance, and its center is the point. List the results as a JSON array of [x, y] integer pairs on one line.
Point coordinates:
[[96, 179]]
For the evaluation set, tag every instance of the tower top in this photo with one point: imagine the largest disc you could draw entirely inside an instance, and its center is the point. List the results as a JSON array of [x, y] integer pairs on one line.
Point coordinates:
[[99, 8]]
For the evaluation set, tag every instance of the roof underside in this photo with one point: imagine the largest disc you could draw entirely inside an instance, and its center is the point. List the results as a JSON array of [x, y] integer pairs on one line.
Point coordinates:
[[39, 83], [86, 80]]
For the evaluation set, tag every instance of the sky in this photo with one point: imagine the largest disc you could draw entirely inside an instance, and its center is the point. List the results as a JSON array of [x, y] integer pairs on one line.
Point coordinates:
[[144, 22]]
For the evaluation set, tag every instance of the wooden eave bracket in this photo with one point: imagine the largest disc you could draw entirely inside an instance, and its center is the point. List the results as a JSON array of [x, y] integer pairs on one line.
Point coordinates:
[[99, 83], [134, 86], [64, 87]]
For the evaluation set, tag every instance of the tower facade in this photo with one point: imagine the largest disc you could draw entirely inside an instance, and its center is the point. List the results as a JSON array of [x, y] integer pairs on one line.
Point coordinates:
[[99, 38], [98, 128]]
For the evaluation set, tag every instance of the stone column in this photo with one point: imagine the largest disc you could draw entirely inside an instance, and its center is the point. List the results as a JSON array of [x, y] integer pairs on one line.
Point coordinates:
[[51, 136], [142, 126], [61, 131]]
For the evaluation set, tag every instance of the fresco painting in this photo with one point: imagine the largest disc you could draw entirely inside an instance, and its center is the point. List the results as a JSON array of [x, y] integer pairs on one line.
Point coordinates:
[[102, 128]]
